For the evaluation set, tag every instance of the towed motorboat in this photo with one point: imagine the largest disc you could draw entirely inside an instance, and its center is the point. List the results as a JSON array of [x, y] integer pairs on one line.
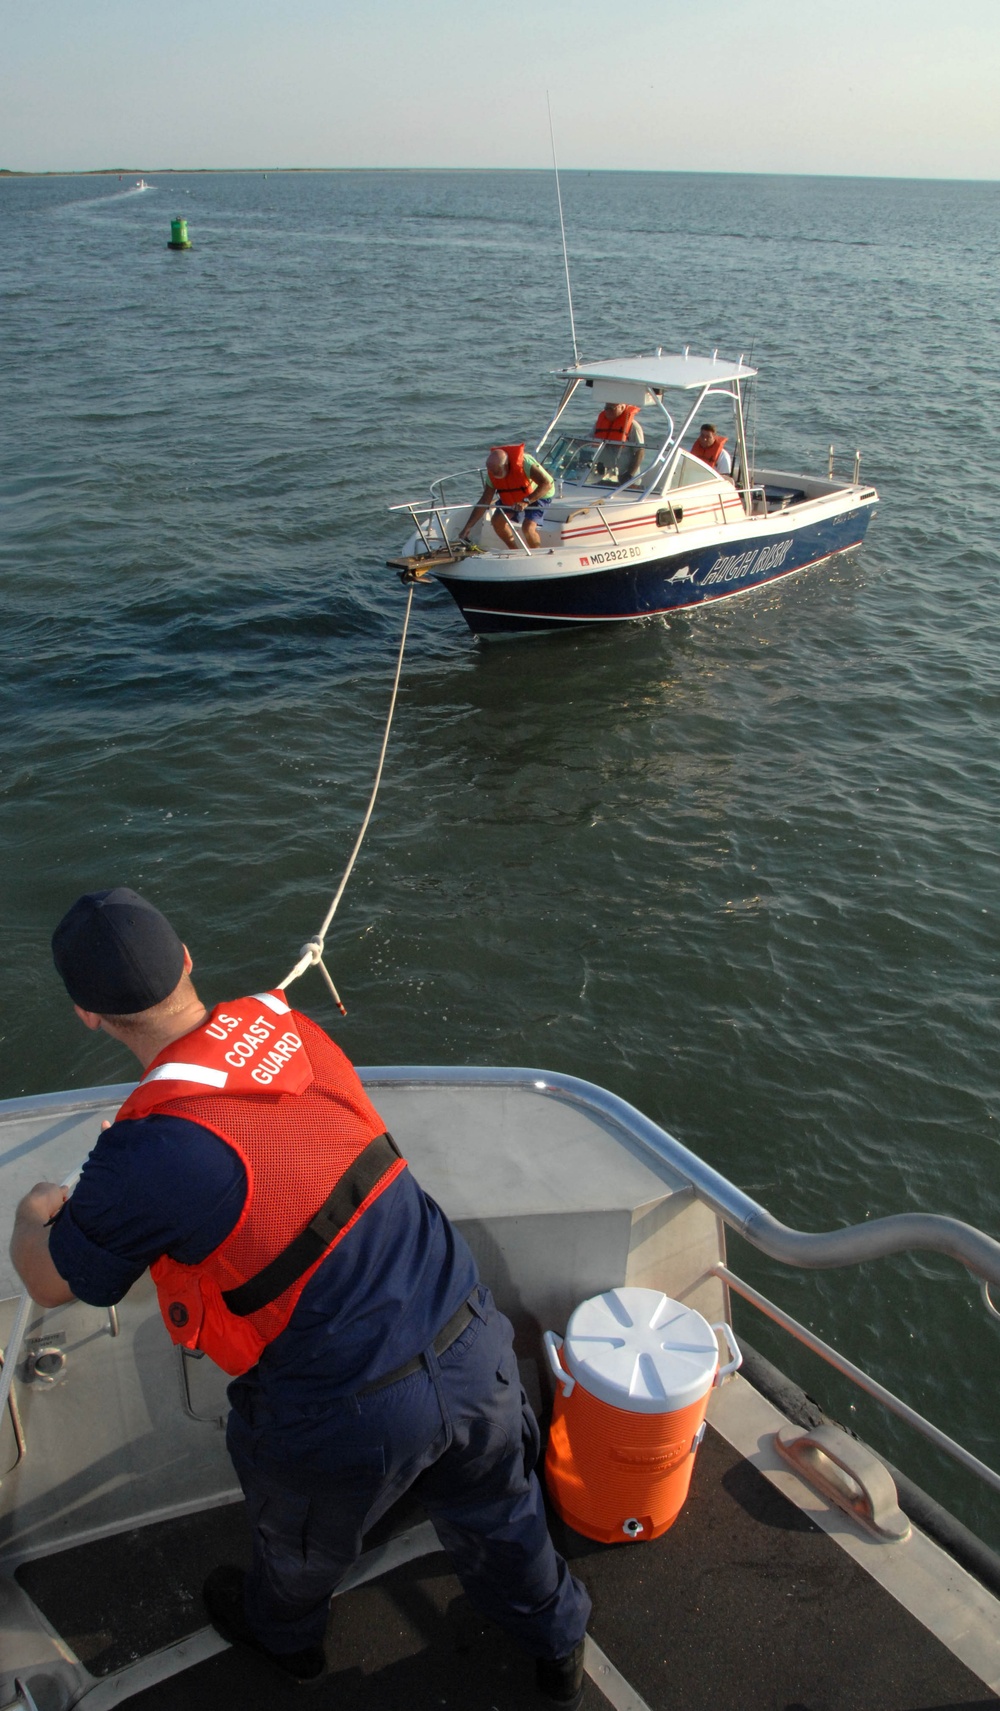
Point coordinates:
[[636, 531]]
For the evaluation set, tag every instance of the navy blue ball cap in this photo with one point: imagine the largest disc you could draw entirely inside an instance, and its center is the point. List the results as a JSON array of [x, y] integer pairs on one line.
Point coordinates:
[[116, 953]]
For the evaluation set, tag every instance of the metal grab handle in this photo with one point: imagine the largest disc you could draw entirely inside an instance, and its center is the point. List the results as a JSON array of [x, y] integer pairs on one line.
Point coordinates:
[[22, 1700], [868, 1494], [12, 1352], [984, 1290], [552, 1346], [735, 1351]]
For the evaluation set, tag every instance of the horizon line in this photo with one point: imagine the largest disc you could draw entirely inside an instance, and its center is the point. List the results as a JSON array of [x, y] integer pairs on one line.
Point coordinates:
[[661, 171]]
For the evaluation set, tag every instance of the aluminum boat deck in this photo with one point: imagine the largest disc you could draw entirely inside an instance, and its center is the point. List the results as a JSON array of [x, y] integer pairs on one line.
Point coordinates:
[[118, 1498]]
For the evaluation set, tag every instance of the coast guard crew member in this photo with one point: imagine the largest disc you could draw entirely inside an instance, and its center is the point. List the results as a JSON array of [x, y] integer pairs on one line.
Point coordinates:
[[288, 1240]]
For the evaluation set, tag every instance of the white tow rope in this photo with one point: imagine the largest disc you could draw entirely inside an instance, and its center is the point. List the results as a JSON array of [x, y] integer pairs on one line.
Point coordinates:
[[312, 951]]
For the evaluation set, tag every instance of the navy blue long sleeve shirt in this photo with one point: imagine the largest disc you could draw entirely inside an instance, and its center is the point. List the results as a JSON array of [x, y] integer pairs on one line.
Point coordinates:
[[164, 1185]]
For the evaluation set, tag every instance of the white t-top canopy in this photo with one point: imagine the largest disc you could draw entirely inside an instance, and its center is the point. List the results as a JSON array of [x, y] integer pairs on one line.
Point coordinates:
[[661, 370]]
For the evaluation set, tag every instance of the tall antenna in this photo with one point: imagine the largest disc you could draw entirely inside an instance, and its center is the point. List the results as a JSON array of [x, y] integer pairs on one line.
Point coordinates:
[[562, 228]]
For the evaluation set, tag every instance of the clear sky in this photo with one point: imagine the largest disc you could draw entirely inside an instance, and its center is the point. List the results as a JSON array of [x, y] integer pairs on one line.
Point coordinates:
[[885, 87]]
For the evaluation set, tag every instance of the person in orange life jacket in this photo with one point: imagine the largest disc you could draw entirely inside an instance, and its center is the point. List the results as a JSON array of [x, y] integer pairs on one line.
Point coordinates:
[[288, 1239], [522, 490], [620, 422], [710, 447]]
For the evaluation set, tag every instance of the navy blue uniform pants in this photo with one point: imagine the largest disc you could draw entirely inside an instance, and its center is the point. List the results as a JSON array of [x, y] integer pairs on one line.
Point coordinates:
[[460, 1434]]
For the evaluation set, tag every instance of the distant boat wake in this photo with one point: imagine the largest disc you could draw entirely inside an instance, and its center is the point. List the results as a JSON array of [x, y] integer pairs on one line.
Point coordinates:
[[119, 194]]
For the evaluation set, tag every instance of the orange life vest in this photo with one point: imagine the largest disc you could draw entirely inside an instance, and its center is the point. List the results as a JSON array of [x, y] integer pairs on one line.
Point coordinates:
[[711, 456], [513, 488], [269, 1083], [615, 427]]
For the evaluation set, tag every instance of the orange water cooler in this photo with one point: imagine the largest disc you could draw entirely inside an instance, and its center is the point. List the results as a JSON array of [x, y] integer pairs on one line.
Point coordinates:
[[634, 1371]]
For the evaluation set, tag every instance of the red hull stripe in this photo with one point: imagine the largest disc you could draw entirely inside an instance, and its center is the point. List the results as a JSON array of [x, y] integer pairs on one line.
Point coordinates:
[[640, 522]]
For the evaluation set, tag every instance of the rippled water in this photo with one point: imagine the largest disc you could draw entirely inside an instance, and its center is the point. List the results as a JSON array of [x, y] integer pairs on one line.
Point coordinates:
[[739, 867]]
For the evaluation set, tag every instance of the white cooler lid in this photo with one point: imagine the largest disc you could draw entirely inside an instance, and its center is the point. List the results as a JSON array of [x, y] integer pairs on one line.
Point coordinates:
[[641, 1350]]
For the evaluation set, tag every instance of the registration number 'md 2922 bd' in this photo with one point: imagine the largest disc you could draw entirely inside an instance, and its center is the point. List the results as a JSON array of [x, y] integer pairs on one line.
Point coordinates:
[[614, 557]]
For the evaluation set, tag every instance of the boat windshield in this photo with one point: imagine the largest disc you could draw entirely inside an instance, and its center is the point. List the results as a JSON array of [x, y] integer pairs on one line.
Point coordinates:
[[593, 463]]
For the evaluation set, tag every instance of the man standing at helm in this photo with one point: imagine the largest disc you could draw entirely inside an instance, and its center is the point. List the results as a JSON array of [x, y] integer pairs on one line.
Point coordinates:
[[289, 1241], [520, 489], [620, 423]]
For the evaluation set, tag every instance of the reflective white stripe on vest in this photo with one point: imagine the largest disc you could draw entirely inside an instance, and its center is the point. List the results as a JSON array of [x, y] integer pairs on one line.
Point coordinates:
[[188, 1072], [278, 1005]]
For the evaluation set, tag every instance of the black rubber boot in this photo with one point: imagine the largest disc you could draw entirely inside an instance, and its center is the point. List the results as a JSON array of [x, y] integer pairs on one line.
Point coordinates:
[[223, 1597], [561, 1679]]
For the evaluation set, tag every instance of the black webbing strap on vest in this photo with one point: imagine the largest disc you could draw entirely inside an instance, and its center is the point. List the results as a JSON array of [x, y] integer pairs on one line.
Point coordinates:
[[311, 1243]]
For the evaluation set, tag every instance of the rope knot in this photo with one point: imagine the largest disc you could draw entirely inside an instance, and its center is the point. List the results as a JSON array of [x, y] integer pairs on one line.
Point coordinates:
[[313, 949]]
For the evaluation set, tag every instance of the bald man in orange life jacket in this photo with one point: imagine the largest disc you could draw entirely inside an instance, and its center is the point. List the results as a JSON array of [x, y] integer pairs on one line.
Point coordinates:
[[289, 1241], [520, 490]]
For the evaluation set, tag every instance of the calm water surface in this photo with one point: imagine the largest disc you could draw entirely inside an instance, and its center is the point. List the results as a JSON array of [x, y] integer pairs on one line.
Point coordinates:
[[740, 867]]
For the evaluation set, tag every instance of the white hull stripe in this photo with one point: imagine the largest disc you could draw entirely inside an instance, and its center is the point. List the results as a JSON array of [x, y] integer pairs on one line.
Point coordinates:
[[278, 1005], [188, 1072]]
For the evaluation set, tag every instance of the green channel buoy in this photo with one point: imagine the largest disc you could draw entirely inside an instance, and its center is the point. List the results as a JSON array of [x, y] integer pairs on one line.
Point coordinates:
[[179, 239]]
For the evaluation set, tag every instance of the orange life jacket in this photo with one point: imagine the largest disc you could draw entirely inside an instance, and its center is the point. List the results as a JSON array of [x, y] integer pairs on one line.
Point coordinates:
[[513, 488], [269, 1083], [711, 456], [615, 427]]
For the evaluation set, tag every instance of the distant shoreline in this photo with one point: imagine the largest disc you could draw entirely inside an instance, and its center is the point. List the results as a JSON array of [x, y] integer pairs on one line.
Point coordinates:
[[276, 171], [255, 171], [7, 172]]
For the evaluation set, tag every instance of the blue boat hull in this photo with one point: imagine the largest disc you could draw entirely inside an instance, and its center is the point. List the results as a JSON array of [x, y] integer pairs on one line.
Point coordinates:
[[682, 576]]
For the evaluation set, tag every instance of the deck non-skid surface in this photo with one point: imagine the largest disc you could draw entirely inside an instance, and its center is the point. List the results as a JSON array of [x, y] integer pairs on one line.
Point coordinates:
[[743, 1606]]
